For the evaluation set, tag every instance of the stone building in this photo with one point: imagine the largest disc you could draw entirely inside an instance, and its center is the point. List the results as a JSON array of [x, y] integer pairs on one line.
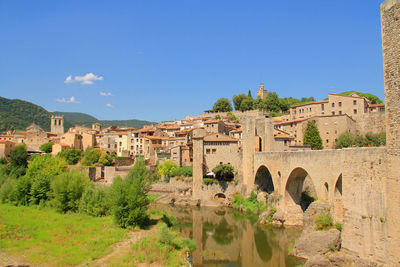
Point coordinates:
[[330, 127], [262, 93], [336, 104], [5, 148], [57, 124]]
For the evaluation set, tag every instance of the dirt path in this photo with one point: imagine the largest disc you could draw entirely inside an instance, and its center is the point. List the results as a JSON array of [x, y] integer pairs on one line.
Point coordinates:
[[124, 246]]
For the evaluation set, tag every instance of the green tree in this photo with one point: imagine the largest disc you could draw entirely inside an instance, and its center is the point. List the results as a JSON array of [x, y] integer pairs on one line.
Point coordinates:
[[237, 100], [222, 105], [68, 188], [217, 117], [129, 196], [106, 159], [41, 171], [167, 168], [224, 172], [19, 156], [249, 94], [272, 102], [46, 147], [91, 156], [72, 156], [247, 104], [312, 136], [95, 200]]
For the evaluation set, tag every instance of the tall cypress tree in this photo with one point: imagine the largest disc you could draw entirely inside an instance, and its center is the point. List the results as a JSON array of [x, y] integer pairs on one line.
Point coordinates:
[[312, 136]]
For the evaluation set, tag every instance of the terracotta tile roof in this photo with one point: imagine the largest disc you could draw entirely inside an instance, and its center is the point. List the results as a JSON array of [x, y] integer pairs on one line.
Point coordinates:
[[219, 138], [292, 121], [380, 105], [212, 121], [156, 137], [279, 134]]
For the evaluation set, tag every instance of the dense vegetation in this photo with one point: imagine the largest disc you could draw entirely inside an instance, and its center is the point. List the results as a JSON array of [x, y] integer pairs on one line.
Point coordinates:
[[71, 202], [17, 114], [272, 103], [77, 118], [351, 140]]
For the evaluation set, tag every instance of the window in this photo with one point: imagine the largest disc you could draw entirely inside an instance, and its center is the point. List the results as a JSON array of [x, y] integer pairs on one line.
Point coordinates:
[[322, 107], [340, 112], [333, 105], [214, 151], [354, 102], [333, 112], [355, 111], [327, 141], [340, 104]]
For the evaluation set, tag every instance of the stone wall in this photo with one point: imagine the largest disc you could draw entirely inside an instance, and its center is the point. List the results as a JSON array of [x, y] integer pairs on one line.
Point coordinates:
[[390, 18], [370, 122]]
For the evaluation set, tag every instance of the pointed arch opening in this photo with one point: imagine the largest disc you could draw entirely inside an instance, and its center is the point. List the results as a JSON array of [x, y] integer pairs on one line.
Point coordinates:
[[338, 201], [326, 191]]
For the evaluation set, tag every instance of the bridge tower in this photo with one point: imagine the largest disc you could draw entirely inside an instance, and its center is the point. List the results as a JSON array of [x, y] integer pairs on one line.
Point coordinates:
[[390, 19]]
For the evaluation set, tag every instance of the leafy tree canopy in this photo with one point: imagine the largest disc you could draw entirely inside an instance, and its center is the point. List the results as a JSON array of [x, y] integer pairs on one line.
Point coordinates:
[[222, 105], [46, 147], [312, 136], [237, 100]]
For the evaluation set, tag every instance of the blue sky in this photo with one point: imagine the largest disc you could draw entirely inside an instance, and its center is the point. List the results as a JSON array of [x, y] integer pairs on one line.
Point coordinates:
[[162, 60]]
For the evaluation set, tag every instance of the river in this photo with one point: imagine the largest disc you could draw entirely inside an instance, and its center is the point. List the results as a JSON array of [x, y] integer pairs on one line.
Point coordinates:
[[225, 237]]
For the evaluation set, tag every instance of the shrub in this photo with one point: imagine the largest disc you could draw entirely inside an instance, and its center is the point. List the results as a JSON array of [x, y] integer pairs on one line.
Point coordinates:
[[169, 220], [232, 117], [249, 205], [376, 139], [67, 190], [21, 192], [224, 172], [167, 236], [186, 171], [338, 226], [41, 170], [324, 221], [312, 136], [19, 156], [46, 147], [6, 189], [209, 181], [106, 159], [72, 156], [129, 197], [344, 140], [167, 168], [91, 156], [94, 201]]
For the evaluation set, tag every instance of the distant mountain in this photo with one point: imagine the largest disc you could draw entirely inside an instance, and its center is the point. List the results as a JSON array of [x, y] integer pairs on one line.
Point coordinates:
[[17, 114], [77, 118]]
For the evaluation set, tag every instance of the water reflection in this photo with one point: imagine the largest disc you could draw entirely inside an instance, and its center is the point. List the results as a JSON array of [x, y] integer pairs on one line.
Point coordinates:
[[227, 238]]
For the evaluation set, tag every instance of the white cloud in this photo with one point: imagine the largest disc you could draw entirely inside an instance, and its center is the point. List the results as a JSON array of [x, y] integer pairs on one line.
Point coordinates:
[[88, 78], [109, 106], [106, 94], [72, 100]]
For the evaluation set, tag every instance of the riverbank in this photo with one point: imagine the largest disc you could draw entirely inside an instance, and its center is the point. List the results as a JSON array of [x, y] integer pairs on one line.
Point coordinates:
[[34, 236]]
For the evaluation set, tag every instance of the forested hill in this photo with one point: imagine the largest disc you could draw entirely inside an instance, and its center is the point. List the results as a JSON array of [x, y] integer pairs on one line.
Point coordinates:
[[77, 118], [17, 114]]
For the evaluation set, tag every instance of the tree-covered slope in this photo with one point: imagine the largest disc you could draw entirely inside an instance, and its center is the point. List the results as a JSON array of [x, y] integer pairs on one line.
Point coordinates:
[[17, 114]]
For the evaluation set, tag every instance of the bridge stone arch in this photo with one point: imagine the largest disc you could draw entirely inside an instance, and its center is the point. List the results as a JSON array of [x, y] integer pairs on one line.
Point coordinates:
[[300, 192], [263, 180]]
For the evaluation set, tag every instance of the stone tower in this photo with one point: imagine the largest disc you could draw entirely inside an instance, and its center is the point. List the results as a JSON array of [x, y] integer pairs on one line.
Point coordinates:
[[57, 124], [390, 19], [262, 93]]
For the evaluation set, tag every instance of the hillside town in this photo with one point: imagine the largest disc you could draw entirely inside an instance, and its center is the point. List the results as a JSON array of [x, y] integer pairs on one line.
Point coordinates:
[[222, 131]]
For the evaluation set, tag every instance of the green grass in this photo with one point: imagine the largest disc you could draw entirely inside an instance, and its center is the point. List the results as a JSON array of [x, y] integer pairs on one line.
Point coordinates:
[[324, 222], [43, 236]]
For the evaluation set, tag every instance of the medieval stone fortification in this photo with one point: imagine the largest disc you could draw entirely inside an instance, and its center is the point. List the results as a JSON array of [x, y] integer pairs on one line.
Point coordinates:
[[361, 185]]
